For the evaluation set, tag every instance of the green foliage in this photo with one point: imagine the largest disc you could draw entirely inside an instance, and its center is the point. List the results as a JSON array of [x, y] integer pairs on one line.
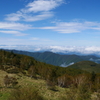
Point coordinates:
[[13, 70], [83, 93], [93, 77], [51, 85], [25, 93], [80, 93]]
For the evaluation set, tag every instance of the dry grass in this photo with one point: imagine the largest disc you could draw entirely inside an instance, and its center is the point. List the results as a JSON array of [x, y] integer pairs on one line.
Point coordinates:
[[41, 87], [24, 81], [4, 92]]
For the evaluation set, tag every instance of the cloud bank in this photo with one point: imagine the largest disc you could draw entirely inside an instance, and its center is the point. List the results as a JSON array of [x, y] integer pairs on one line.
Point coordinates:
[[56, 49]]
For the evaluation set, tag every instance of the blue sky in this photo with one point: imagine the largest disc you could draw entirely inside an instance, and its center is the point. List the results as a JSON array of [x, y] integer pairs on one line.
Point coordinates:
[[50, 23]]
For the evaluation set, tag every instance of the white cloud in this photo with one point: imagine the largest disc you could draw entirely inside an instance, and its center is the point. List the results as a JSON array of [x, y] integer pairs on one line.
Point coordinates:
[[14, 26], [41, 16], [93, 49], [43, 5], [16, 33], [63, 49], [34, 11], [76, 49], [73, 27], [65, 65], [14, 16]]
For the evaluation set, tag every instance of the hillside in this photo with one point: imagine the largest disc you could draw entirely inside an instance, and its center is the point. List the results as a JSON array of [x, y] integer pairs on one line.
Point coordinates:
[[29, 83], [15, 63], [24, 78], [87, 66], [25, 63], [57, 59]]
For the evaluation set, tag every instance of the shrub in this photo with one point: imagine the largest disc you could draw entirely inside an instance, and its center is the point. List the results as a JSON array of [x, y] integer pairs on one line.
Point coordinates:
[[51, 85], [13, 70], [25, 93], [10, 81], [80, 93]]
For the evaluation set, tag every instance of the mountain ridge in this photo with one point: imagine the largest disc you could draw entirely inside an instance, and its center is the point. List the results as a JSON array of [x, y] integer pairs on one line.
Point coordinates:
[[58, 59]]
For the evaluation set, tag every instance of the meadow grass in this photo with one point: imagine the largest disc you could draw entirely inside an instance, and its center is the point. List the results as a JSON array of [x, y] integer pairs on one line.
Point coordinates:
[[38, 87], [24, 81]]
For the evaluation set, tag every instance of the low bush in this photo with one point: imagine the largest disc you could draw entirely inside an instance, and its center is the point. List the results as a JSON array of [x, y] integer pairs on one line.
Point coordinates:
[[25, 93]]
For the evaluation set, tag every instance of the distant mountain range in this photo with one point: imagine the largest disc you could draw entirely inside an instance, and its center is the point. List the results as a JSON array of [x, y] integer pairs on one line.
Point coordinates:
[[58, 59], [63, 50]]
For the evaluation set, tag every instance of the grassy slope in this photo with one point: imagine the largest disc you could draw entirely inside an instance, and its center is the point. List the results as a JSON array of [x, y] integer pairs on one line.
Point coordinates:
[[39, 84], [41, 87], [4, 92]]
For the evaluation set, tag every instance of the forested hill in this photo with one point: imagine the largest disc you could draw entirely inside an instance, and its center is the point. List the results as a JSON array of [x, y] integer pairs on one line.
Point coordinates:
[[87, 66], [78, 84], [15, 63], [57, 59]]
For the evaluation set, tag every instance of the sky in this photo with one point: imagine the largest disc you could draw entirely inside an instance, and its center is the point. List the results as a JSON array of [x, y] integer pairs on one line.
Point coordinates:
[[57, 24]]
